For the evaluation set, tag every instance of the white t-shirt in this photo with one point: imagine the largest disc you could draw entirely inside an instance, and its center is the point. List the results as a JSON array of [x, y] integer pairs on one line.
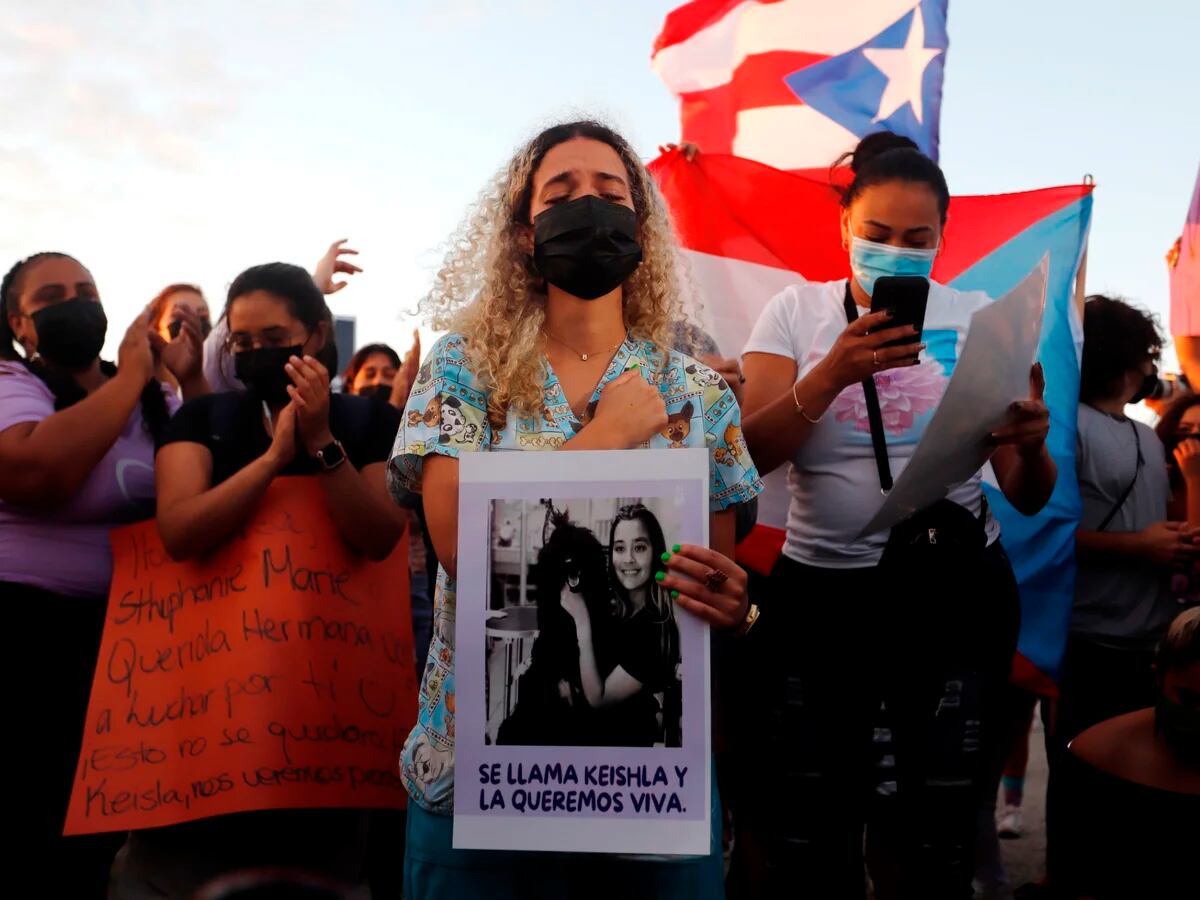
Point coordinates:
[[833, 479]]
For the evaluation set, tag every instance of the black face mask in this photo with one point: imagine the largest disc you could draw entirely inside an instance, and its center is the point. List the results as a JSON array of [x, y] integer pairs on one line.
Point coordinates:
[[586, 247], [1149, 386], [261, 371], [1180, 725], [70, 334], [377, 391]]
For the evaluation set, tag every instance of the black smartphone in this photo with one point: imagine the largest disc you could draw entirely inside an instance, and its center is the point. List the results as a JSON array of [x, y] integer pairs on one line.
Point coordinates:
[[906, 296]]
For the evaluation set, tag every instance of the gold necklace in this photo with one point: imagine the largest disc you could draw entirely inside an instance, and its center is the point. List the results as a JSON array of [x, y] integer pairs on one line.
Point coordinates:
[[584, 357]]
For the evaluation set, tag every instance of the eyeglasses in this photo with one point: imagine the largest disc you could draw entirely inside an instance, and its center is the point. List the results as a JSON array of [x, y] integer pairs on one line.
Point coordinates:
[[274, 337]]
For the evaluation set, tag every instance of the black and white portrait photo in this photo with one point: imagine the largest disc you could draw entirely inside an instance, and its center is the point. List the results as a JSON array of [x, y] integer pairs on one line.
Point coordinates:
[[582, 643]]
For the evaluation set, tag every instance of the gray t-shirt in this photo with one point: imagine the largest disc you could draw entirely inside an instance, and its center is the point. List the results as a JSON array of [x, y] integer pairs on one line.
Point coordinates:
[[1120, 601]]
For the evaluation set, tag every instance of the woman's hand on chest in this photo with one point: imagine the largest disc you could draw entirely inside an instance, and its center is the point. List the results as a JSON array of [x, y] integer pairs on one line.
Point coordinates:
[[630, 411]]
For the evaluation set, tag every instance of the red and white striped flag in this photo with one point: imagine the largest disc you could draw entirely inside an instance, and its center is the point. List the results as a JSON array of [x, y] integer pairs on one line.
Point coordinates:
[[795, 83]]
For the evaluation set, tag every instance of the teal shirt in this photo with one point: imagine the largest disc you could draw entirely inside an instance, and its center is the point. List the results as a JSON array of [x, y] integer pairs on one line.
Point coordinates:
[[447, 414]]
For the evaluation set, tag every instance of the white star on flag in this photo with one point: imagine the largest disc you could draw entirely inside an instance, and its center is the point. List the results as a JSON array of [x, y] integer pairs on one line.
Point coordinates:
[[905, 70]]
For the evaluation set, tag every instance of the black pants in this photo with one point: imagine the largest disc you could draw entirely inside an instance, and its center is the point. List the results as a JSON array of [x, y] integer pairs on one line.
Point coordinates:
[[49, 664], [879, 716]]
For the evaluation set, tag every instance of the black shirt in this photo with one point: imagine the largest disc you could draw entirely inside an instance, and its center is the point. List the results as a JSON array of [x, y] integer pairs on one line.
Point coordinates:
[[1123, 841], [178, 859], [231, 427], [648, 650]]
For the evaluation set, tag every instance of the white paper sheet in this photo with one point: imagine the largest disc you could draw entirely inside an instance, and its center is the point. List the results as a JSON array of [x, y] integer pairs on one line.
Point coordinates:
[[999, 351]]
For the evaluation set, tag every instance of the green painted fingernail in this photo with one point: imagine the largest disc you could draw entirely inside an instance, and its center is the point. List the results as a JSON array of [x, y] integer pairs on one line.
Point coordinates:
[[659, 576], [666, 557], [676, 548], [674, 595]]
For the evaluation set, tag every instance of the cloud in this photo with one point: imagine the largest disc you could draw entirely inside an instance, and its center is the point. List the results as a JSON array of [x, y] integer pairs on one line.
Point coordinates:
[[103, 84]]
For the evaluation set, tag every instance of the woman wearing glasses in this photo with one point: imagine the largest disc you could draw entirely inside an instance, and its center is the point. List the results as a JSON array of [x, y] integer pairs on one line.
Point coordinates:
[[219, 455]]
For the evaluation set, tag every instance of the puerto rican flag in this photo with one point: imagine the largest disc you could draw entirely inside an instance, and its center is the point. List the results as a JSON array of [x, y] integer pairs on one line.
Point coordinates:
[[795, 83], [749, 230], [1184, 261]]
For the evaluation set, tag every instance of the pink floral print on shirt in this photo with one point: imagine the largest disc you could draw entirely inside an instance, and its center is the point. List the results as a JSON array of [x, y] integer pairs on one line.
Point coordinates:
[[904, 394]]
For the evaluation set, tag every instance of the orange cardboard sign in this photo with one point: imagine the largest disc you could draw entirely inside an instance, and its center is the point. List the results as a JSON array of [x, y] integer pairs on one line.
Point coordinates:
[[276, 673]]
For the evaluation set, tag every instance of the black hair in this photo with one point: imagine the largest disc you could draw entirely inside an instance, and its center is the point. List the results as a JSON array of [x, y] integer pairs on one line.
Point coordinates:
[[883, 157], [66, 390], [361, 355], [296, 288], [636, 512], [659, 605], [1117, 338]]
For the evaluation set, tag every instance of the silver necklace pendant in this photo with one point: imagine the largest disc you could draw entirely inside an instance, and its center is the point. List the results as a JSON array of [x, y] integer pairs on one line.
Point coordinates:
[[584, 357]]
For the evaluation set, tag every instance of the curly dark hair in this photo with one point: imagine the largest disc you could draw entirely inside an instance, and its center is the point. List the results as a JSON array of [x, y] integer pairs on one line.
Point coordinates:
[[1117, 338]]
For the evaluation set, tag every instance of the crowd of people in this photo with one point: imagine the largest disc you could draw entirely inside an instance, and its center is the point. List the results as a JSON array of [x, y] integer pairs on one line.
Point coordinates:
[[863, 713]]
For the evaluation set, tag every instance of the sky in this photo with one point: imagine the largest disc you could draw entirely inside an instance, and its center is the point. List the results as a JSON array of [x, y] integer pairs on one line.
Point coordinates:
[[161, 141]]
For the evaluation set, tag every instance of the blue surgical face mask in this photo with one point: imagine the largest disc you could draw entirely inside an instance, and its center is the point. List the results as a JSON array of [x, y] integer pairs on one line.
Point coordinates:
[[869, 260]]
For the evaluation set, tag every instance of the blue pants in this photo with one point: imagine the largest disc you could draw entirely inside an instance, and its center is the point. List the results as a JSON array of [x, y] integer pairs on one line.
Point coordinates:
[[433, 870]]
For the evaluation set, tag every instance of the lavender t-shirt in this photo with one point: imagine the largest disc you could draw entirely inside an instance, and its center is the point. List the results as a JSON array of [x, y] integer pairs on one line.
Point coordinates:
[[66, 549]]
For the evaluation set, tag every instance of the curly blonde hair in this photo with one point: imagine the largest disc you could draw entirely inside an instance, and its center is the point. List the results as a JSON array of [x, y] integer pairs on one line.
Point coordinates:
[[488, 290]]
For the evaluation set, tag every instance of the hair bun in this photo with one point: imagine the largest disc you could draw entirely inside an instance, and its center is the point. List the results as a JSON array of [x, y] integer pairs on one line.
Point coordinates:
[[875, 144]]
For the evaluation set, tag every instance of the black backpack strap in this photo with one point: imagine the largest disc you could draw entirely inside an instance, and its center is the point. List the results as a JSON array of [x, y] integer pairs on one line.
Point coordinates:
[[1141, 461], [874, 414]]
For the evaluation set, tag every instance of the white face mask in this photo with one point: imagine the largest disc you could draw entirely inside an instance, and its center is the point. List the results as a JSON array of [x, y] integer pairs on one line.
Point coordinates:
[[869, 261]]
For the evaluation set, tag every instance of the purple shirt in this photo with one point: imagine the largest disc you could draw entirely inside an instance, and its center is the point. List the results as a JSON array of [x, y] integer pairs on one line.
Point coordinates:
[[66, 549]]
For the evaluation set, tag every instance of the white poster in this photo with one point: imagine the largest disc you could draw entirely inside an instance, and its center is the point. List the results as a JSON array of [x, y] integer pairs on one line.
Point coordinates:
[[997, 357], [582, 689]]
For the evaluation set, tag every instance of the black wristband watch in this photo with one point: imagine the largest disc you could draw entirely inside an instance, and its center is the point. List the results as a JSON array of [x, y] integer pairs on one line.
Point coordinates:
[[331, 455]]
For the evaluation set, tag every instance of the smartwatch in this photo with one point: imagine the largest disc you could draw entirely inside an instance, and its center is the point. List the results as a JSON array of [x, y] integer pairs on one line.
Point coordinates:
[[331, 455]]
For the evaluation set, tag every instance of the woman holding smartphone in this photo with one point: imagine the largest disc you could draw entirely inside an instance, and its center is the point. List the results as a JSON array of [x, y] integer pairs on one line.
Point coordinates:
[[893, 675]]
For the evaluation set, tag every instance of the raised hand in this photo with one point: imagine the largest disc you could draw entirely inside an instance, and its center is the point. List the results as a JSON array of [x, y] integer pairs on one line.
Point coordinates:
[[1187, 456], [135, 356], [309, 391], [184, 354], [407, 376], [1028, 420], [631, 410], [283, 438], [332, 264], [859, 351]]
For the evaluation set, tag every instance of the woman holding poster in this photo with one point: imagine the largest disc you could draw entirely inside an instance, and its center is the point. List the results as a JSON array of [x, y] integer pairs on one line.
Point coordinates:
[[909, 638], [219, 455], [560, 295], [76, 460]]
